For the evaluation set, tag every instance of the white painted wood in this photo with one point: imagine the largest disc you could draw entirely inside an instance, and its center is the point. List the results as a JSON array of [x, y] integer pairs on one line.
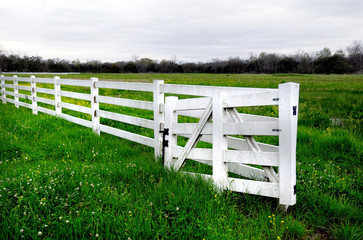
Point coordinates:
[[33, 86], [3, 94], [45, 80], [126, 102], [249, 157], [141, 122], [239, 143], [220, 169], [288, 115], [189, 128], [10, 100], [144, 87], [193, 104], [256, 128], [272, 176], [27, 105], [45, 90], [77, 120], [256, 118], [45, 100], [16, 91], [205, 154], [10, 93], [24, 79], [95, 106], [57, 96], [46, 110], [194, 138], [77, 108], [195, 90], [26, 88], [82, 96], [171, 117], [252, 128], [266, 189], [247, 171], [158, 101], [9, 85], [255, 99], [72, 82], [127, 135]]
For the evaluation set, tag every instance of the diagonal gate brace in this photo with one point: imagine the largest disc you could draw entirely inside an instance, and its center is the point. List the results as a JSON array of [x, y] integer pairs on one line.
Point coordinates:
[[193, 140], [271, 174]]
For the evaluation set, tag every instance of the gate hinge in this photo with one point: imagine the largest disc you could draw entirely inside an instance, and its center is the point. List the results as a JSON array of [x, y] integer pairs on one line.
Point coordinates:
[[276, 130], [294, 189]]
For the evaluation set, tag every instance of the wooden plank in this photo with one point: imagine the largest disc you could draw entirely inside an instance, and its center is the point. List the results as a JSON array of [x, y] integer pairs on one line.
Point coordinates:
[[256, 128], [195, 90], [10, 93], [45, 110], [44, 80], [266, 189], [252, 128], [24, 79], [45, 100], [10, 100], [127, 135], [171, 117], [132, 86], [255, 99], [192, 103], [205, 154], [256, 118], [77, 108], [141, 122], [82, 96], [288, 114], [27, 105], [127, 102], [27, 88], [249, 157], [71, 82], [189, 128], [193, 140], [239, 143], [45, 90], [76, 120], [9, 85]]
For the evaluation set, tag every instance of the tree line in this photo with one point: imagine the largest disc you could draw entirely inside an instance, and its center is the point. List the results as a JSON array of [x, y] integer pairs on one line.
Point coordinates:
[[321, 62]]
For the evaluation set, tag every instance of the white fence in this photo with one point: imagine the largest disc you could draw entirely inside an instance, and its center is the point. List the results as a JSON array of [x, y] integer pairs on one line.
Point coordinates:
[[219, 124]]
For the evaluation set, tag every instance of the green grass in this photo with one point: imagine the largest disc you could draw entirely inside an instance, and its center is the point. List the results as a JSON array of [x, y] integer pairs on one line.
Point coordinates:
[[62, 180]]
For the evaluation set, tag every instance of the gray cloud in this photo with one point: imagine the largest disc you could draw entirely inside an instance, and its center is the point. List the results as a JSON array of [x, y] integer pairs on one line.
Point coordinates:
[[112, 30]]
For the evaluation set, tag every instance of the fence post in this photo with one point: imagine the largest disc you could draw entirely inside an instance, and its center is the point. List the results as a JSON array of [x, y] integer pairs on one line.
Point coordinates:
[[34, 94], [3, 89], [220, 169], [57, 97], [288, 112], [171, 117], [16, 91], [95, 106], [158, 100]]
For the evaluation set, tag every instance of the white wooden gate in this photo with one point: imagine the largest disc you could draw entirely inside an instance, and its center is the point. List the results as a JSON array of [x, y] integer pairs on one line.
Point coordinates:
[[219, 120]]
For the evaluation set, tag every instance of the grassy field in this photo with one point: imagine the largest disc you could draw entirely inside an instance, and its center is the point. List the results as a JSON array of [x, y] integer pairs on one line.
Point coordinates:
[[59, 180]]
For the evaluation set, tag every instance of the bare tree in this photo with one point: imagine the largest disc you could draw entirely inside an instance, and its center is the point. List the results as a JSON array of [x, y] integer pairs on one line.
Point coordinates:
[[355, 56]]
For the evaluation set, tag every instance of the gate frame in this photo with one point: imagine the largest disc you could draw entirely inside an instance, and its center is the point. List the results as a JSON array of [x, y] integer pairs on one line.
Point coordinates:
[[281, 185]]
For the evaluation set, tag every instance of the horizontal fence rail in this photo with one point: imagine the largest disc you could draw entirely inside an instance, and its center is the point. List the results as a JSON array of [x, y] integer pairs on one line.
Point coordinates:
[[230, 133]]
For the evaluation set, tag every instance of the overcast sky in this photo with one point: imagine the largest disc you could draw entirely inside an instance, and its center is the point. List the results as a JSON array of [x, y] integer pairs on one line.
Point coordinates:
[[199, 30]]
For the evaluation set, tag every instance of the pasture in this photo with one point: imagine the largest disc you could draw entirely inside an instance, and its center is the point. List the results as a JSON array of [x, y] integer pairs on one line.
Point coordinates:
[[59, 180]]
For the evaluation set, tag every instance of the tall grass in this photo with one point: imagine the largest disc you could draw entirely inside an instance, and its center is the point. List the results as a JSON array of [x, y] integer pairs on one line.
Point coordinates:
[[59, 180]]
